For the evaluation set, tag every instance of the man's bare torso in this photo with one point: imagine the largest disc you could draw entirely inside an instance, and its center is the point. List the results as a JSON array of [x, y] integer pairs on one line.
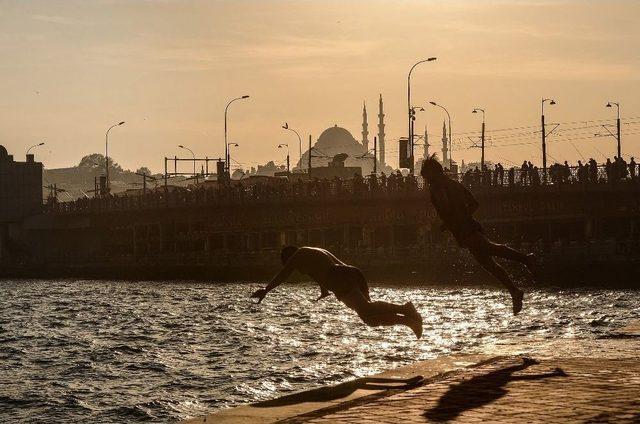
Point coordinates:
[[314, 262]]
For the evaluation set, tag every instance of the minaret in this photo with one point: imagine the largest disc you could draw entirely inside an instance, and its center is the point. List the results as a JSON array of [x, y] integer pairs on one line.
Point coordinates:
[[445, 144], [426, 144], [380, 149], [365, 128]]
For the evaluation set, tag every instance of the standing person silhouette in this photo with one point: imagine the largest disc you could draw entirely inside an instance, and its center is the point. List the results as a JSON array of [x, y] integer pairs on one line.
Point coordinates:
[[455, 206], [347, 283]]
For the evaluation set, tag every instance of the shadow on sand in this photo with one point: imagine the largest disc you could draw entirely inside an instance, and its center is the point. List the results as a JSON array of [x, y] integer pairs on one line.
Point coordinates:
[[324, 394], [481, 390]]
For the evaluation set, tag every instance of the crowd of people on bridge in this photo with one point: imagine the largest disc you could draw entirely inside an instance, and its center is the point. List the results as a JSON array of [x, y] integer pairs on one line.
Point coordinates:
[[612, 171], [276, 189]]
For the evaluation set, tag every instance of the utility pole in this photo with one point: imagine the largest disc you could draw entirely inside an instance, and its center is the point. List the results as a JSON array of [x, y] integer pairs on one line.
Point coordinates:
[[145, 177], [618, 132], [481, 138], [411, 153], [544, 150], [482, 145], [166, 176], [617, 127], [544, 139], [411, 135], [309, 165]]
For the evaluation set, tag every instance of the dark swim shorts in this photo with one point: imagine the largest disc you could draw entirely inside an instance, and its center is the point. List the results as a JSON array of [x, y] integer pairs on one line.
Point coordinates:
[[462, 229], [344, 279]]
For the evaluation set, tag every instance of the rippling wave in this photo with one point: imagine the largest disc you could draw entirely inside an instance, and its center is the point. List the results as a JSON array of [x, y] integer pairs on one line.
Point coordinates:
[[146, 351]]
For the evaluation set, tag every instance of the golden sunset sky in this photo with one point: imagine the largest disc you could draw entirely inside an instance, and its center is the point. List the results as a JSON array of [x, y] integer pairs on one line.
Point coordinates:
[[70, 69]]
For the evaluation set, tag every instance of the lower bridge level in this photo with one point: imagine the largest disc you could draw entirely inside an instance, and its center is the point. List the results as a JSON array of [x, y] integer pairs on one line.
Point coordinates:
[[583, 234]]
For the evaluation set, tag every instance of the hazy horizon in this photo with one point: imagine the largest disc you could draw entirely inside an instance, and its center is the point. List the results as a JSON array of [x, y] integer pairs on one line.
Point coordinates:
[[70, 69]]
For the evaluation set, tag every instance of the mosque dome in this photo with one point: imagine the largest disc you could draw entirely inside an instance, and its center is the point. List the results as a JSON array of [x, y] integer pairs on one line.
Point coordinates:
[[3, 153], [334, 141], [336, 137]]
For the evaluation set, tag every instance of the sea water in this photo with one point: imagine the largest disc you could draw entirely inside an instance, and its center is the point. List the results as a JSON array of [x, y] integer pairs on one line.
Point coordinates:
[[104, 351]]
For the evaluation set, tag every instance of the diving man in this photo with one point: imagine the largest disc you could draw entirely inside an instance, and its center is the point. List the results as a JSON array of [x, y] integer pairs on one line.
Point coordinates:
[[455, 206], [347, 283]]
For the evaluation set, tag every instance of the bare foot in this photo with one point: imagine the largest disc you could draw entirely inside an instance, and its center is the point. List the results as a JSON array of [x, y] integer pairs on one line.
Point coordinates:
[[415, 318], [323, 293], [516, 297]]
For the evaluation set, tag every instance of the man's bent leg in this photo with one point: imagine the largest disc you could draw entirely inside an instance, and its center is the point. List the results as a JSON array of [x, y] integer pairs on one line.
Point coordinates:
[[506, 252], [480, 242], [380, 313], [499, 272]]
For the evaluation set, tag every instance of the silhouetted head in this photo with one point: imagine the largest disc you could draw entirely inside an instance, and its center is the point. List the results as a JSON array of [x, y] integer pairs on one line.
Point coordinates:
[[287, 252], [431, 170]]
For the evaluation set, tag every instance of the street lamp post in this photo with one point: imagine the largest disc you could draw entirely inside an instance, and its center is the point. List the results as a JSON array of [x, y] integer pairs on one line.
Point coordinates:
[[226, 144], [192, 155], [106, 155], [450, 140], [35, 145], [481, 138], [286, 127], [414, 110], [287, 146], [229, 156], [544, 138], [409, 109], [617, 126]]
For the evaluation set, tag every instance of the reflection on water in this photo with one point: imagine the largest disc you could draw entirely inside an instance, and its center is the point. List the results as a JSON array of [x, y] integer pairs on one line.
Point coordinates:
[[113, 351]]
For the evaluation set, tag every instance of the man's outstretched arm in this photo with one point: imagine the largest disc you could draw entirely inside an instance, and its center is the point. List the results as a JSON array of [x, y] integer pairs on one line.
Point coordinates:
[[280, 278]]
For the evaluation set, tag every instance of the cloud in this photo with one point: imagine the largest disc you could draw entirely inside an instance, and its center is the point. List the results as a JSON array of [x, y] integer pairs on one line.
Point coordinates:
[[199, 54], [288, 47], [555, 69], [61, 20]]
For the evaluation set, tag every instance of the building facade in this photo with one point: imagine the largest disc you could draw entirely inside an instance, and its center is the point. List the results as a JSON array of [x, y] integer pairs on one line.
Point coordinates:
[[20, 196], [20, 187]]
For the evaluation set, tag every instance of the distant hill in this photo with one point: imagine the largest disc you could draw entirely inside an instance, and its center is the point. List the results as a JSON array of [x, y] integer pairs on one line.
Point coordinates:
[[78, 181]]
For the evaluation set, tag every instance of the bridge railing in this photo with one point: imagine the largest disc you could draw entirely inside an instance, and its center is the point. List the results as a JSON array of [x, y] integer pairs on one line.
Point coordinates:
[[371, 187]]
